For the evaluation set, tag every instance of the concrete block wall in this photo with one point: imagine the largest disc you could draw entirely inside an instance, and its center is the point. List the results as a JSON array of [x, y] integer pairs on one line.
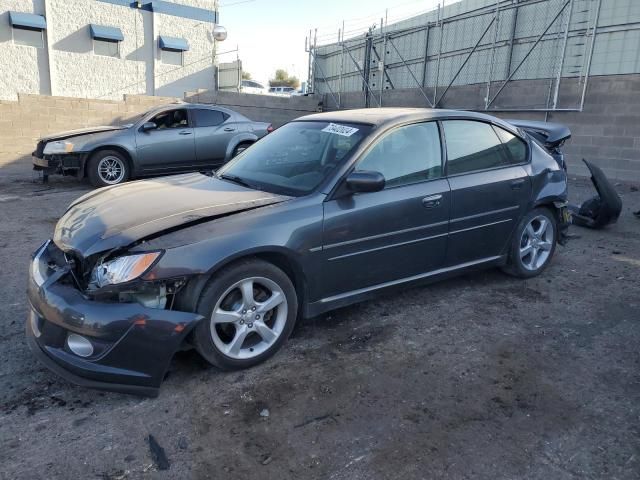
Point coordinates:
[[261, 108], [23, 122], [606, 132]]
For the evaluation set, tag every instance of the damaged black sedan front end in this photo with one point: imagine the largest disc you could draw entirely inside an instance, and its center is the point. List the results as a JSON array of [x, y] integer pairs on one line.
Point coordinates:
[[119, 346], [100, 316]]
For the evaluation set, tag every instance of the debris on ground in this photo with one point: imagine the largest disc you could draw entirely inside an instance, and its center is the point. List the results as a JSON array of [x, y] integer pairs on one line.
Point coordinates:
[[264, 413], [157, 454], [601, 209]]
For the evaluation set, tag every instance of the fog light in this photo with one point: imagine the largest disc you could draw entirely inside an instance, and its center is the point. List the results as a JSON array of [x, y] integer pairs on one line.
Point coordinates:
[[79, 345]]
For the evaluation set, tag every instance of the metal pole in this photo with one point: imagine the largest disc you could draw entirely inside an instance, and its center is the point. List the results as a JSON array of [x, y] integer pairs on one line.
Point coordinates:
[[340, 77], [528, 53], [475, 47], [382, 65], [564, 52], [411, 73], [309, 72], [493, 53], [358, 68], [435, 84], [514, 25], [590, 57], [426, 56]]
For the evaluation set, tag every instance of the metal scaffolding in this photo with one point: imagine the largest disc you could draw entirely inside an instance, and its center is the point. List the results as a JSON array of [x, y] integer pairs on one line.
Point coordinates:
[[520, 55]]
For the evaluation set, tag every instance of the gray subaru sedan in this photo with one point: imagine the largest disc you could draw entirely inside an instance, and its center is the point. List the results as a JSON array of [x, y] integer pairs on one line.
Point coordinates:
[[329, 210]]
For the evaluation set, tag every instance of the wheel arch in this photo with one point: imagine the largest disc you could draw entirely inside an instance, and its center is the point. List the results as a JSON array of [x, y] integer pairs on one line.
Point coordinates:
[[281, 258], [237, 140]]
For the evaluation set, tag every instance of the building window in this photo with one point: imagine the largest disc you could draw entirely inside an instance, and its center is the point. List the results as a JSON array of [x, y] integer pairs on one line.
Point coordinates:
[[27, 29], [106, 40], [106, 48], [172, 49], [29, 37], [172, 57]]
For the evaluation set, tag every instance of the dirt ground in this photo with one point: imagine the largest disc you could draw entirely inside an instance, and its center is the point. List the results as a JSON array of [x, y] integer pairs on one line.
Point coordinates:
[[483, 376]]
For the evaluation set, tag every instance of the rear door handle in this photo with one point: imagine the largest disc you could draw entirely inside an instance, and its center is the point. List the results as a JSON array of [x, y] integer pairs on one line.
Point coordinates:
[[229, 129], [184, 132], [431, 201], [517, 184]]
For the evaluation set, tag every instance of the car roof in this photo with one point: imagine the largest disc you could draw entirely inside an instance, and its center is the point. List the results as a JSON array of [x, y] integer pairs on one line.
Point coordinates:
[[208, 106], [391, 116]]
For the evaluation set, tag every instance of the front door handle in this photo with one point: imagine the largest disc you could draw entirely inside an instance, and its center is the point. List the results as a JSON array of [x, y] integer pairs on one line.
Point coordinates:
[[229, 129], [185, 132], [517, 184], [431, 201]]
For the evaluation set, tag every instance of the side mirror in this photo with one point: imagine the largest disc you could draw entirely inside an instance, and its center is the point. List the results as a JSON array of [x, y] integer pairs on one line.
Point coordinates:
[[365, 181], [149, 126]]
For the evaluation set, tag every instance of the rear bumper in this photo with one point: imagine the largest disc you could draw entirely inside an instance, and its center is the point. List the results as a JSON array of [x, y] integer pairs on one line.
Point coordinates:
[[132, 344]]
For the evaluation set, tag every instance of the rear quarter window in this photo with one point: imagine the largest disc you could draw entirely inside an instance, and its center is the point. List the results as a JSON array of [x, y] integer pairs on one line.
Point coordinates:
[[516, 147]]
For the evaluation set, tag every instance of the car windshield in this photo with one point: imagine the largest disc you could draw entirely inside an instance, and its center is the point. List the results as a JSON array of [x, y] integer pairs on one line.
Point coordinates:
[[296, 158]]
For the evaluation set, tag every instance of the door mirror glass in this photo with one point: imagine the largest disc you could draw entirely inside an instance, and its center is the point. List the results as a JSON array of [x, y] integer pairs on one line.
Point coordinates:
[[365, 181], [149, 126]]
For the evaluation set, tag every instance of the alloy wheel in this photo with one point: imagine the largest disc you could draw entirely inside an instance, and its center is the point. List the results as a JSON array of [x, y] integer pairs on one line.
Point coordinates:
[[111, 170], [249, 318], [536, 243]]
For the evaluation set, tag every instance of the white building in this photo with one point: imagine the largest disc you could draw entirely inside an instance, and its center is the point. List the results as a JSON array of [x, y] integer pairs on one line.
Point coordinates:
[[106, 48]]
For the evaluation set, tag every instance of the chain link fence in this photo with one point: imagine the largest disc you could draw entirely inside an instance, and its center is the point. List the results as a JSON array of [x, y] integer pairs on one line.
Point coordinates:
[[505, 55]]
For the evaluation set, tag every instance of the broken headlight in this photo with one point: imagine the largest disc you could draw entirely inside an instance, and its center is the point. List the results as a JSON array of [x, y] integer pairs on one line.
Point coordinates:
[[58, 147], [122, 269]]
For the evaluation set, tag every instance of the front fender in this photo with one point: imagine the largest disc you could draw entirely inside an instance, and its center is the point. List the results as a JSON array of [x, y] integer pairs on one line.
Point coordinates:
[[237, 140]]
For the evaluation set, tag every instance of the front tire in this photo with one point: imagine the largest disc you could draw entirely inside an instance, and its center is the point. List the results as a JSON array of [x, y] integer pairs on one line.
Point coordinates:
[[107, 167], [250, 310], [533, 244]]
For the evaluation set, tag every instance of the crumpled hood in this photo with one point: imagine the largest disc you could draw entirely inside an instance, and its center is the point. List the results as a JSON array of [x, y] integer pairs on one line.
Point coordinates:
[[114, 217], [81, 131]]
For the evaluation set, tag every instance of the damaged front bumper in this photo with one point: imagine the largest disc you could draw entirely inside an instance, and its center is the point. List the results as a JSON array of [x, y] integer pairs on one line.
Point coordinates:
[[129, 346], [64, 164]]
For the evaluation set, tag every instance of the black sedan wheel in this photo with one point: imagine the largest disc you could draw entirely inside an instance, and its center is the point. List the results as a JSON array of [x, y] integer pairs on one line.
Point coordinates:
[[533, 244], [107, 167], [250, 310]]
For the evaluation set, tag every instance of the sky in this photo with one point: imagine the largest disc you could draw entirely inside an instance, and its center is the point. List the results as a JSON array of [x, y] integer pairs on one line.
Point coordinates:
[[270, 34]]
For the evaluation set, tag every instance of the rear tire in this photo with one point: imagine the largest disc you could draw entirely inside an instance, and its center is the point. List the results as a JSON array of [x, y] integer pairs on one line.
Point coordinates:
[[240, 148], [250, 309], [107, 167], [533, 244]]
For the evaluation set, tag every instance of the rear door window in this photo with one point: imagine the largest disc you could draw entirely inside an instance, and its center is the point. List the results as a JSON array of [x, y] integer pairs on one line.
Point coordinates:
[[209, 118], [472, 146]]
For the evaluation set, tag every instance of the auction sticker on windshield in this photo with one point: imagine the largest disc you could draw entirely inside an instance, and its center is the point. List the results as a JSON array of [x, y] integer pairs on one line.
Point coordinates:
[[340, 129]]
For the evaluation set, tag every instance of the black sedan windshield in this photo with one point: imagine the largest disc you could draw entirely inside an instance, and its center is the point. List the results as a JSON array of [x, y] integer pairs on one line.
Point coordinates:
[[296, 158]]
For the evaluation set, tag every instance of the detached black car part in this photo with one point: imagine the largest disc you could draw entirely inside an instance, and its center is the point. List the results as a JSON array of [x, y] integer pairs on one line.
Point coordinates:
[[326, 211], [602, 209]]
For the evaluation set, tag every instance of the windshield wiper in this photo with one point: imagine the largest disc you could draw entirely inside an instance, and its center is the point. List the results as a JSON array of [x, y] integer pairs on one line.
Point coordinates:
[[238, 180]]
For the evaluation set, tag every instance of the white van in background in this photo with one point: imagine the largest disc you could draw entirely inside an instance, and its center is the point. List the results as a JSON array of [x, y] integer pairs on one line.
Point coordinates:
[[285, 91], [250, 86]]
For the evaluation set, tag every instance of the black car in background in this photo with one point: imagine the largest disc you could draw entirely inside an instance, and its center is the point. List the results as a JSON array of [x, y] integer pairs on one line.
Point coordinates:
[[329, 210]]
